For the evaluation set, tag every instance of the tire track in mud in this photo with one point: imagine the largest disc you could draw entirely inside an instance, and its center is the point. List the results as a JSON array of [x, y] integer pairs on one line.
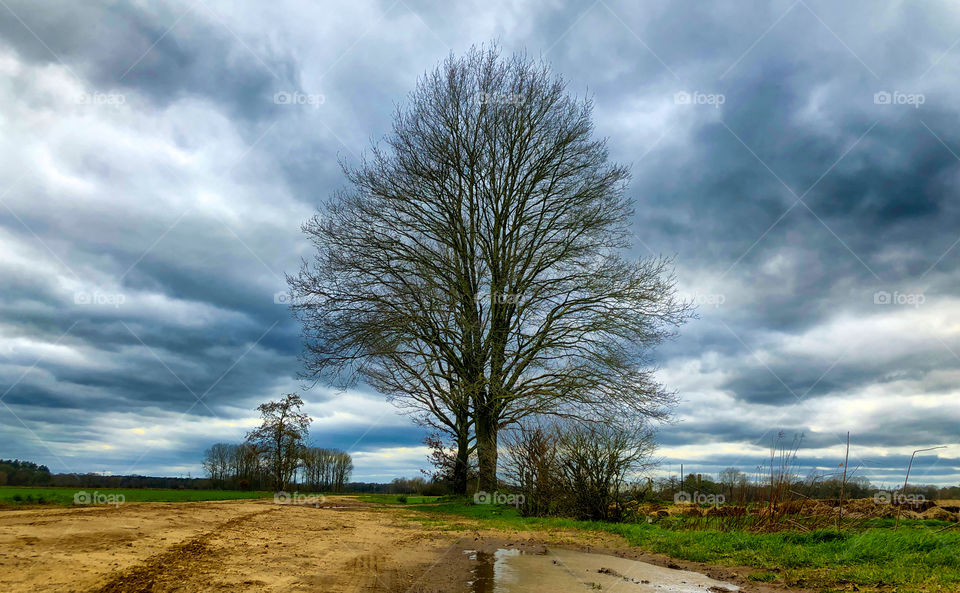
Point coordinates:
[[175, 566]]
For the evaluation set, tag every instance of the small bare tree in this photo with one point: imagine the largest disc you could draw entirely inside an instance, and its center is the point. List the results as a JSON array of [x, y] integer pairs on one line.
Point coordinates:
[[575, 468], [280, 436], [446, 462], [596, 461], [532, 467], [216, 462]]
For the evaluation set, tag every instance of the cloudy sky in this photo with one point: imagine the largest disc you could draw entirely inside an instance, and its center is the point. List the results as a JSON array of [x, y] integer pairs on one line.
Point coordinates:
[[798, 158]]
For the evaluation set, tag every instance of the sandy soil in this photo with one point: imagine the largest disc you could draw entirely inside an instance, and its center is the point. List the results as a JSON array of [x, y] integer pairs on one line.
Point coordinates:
[[256, 546]]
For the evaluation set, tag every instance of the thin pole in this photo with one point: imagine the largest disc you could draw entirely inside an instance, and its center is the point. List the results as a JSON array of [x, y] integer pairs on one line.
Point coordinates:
[[906, 479], [843, 484]]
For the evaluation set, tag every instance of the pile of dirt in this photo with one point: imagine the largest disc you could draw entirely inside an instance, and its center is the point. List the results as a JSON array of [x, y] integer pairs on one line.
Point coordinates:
[[808, 508], [940, 514], [860, 508]]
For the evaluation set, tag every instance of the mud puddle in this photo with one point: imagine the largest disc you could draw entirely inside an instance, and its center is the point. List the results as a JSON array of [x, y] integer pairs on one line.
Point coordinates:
[[516, 571]]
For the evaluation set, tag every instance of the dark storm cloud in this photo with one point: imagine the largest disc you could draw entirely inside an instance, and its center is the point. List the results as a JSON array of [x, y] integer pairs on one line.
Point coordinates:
[[164, 52], [187, 202]]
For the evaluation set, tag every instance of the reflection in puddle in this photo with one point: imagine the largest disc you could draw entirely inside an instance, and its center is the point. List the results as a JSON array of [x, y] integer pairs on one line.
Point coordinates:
[[514, 571], [491, 570]]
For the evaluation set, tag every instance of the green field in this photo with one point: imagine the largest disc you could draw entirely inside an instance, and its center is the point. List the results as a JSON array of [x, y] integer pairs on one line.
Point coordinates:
[[922, 556], [396, 498], [17, 496]]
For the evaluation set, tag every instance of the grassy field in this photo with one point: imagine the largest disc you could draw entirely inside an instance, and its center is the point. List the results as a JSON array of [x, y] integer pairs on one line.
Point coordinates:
[[397, 498], [16, 496], [922, 556]]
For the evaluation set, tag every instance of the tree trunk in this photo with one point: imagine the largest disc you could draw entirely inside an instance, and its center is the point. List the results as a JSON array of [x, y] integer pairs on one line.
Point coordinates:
[[461, 465], [486, 424]]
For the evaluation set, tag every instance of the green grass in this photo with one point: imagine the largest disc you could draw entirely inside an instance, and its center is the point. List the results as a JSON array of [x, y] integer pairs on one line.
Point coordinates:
[[397, 498], [917, 558], [16, 496]]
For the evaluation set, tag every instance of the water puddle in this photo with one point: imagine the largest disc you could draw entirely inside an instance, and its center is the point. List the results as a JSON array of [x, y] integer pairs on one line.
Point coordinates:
[[514, 571]]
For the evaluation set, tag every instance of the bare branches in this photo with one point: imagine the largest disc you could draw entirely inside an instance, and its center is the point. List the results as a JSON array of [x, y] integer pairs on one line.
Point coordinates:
[[280, 436], [473, 270]]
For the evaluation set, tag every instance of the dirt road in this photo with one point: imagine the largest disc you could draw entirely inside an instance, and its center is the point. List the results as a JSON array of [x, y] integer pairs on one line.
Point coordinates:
[[240, 546], [212, 546]]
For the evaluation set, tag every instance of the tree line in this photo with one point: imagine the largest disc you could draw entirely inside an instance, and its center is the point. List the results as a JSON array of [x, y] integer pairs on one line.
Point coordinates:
[[274, 455], [244, 466], [14, 472], [737, 486]]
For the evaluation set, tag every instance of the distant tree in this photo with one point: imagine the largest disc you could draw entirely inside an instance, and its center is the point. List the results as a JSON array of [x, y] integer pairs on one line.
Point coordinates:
[[280, 437], [247, 467], [730, 478], [407, 486], [326, 469], [342, 470], [24, 473], [217, 461]]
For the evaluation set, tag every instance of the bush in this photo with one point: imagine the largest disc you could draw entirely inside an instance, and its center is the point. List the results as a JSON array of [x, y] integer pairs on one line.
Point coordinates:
[[576, 469]]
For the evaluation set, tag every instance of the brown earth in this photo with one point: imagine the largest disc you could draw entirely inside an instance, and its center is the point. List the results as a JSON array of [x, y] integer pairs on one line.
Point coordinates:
[[241, 546]]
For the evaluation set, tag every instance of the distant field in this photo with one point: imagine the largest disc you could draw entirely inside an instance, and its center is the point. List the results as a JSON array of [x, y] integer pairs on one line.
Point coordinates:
[[16, 496], [397, 498]]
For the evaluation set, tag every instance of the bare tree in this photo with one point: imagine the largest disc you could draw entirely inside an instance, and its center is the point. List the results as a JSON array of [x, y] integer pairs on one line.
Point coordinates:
[[575, 468], [730, 478], [280, 436], [531, 466], [247, 465], [216, 462], [448, 463], [326, 469], [596, 461], [474, 272]]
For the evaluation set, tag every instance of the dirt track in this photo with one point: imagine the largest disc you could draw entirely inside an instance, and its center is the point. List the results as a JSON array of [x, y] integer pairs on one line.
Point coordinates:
[[261, 546], [214, 546]]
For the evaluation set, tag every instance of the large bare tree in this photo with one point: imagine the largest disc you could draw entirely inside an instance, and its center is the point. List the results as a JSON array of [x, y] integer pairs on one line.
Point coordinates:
[[475, 265]]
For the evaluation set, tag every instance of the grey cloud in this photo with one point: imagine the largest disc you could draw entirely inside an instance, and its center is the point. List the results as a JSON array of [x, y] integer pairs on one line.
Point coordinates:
[[204, 138]]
